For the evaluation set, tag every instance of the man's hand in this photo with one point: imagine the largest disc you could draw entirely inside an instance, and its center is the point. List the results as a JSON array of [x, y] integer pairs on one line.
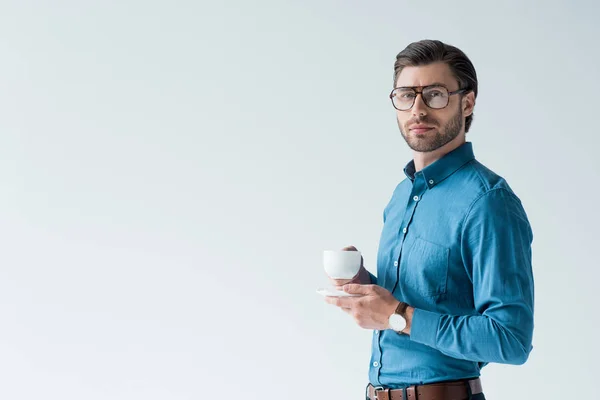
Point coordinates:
[[372, 309], [362, 277]]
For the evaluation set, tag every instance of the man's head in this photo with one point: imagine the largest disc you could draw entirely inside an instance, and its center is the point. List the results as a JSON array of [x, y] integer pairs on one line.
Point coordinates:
[[442, 82]]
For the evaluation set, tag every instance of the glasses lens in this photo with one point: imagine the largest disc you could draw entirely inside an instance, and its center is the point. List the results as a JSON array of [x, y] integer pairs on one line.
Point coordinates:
[[436, 97], [403, 99]]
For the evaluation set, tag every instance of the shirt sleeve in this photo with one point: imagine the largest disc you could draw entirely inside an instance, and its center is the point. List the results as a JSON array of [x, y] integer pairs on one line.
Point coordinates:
[[496, 250]]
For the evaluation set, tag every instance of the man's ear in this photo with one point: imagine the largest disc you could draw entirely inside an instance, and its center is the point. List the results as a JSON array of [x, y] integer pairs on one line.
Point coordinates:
[[468, 104]]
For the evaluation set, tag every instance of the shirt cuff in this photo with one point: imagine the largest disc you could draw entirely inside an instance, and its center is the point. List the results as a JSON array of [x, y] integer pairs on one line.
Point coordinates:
[[424, 327]]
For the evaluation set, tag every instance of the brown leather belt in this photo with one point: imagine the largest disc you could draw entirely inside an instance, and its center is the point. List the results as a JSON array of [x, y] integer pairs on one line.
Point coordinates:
[[433, 391]]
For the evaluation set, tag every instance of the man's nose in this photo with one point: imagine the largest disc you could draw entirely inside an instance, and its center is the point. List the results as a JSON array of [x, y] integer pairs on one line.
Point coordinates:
[[419, 108]]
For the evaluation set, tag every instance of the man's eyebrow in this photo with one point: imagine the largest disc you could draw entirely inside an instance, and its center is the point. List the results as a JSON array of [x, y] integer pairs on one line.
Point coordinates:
[[437, 84], [431, 84]]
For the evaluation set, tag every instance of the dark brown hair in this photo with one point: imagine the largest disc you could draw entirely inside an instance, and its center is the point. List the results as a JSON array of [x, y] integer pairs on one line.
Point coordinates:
[[427, 52]]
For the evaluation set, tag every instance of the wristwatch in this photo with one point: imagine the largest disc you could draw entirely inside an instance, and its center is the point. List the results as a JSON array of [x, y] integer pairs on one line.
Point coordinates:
[[396, 321]]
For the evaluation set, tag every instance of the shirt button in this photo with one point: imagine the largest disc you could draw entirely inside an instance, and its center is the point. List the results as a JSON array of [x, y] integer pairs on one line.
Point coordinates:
[[404, 230], [395, 263], [376, 332], [376, 364], [431, 181], [416, 198]]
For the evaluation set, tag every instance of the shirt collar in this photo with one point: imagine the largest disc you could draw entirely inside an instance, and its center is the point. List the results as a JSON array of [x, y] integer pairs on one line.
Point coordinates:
[[444, 167]]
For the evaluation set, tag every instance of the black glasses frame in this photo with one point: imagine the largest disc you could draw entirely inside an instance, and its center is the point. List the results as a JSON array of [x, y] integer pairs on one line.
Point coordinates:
[[414, 89]]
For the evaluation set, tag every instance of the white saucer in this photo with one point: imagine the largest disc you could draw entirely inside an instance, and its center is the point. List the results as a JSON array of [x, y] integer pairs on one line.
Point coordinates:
[[335, 293]]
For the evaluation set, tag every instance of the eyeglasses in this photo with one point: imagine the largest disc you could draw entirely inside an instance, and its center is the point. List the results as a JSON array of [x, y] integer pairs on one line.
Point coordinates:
[[434, 96]]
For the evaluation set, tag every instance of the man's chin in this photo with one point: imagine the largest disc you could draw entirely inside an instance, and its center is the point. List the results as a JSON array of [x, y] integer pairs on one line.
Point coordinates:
[[422, 145]]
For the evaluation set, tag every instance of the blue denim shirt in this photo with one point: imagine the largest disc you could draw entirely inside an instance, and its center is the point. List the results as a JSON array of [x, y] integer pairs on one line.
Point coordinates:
[[455, 245]]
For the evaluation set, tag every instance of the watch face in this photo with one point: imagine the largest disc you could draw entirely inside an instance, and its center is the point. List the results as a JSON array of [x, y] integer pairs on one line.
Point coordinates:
[[397, 323]]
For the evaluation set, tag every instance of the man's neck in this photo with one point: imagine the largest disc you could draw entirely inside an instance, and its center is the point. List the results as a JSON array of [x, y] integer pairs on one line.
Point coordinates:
[[422, 160]]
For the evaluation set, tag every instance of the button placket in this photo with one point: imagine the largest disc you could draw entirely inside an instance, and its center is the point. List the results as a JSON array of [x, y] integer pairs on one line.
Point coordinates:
[[418, 189]]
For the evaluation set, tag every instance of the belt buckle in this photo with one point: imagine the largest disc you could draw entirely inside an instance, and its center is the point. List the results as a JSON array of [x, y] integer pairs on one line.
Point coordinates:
[[378, 389]]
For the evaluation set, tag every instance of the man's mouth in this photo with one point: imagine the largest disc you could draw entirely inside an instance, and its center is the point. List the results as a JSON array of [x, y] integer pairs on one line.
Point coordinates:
[[419, 129]]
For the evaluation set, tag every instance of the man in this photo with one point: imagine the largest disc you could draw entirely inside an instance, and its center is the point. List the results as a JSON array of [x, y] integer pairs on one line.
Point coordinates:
[[454, 288]]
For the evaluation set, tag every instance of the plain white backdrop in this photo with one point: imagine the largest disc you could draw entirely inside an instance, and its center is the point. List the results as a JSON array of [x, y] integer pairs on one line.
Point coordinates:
[[171, 172]]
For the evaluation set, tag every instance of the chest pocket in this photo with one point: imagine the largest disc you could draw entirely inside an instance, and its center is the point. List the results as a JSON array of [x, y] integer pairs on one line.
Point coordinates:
[[426, 269]]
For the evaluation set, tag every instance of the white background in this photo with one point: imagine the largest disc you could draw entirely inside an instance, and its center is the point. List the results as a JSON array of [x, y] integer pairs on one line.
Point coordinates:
[[172, 171]]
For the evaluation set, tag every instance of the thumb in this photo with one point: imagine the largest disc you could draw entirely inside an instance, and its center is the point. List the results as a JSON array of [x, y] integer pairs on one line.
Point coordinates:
[[356, 288]]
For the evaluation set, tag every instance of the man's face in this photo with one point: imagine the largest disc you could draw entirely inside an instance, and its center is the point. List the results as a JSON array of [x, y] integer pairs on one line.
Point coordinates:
[[426, 129]]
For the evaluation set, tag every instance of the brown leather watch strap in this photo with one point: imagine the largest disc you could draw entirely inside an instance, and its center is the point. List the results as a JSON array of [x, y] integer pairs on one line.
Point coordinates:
[[401, 309]]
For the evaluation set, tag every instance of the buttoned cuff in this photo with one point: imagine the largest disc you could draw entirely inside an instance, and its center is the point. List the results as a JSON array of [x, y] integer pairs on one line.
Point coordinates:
[[424, 327]]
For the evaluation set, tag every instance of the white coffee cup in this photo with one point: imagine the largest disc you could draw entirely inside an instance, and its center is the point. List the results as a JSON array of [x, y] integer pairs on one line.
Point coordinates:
[[341, 264]]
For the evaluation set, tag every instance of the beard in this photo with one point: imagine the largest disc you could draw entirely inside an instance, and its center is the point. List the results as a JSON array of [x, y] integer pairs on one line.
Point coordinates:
[[429, 141]]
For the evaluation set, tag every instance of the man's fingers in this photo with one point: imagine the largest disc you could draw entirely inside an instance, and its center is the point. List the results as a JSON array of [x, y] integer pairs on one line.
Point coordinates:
[[355, 288], [341, 282], [331, 300], [339, 301]]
